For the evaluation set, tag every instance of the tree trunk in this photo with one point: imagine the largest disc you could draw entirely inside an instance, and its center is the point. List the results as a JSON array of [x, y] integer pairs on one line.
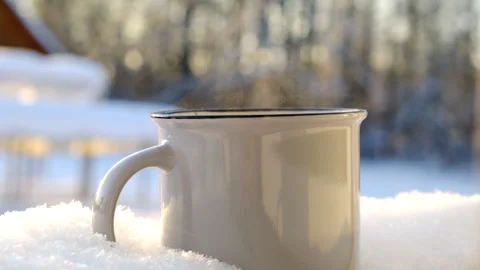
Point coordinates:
[[476, 128], [187, 46]]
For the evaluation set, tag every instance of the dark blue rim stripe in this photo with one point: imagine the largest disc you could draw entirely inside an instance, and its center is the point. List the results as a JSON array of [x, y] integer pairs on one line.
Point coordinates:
[[244, 113]]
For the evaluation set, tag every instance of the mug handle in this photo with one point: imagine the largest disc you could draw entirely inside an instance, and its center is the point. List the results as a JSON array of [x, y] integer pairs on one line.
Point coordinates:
[[109, 189]]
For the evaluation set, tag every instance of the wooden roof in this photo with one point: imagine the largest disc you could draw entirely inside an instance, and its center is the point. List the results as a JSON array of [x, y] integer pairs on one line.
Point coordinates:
[[16, 33]]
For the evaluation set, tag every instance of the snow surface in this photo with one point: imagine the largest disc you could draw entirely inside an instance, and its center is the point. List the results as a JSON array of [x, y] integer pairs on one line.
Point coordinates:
[[380, 179], [411, 231], [383, 179], [57, 76], [434, 228], [60, 237]]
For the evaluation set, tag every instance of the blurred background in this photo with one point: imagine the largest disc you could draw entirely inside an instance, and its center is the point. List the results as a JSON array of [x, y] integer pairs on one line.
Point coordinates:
[[78, 80]]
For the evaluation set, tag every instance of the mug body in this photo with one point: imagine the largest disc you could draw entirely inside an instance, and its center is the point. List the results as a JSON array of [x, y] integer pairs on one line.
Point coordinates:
[[264, 189]]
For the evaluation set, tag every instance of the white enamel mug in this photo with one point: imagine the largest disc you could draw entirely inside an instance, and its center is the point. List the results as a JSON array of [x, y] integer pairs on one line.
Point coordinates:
[[261, 189]]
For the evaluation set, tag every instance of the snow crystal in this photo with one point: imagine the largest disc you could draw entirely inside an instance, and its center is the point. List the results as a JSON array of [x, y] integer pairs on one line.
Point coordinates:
[[410, 231]]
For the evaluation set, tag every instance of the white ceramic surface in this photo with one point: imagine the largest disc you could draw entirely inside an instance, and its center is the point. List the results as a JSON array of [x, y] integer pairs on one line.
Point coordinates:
[[259, 189]]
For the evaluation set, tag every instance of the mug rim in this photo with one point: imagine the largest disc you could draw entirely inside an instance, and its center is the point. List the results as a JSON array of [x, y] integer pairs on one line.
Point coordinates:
[[250, 112]]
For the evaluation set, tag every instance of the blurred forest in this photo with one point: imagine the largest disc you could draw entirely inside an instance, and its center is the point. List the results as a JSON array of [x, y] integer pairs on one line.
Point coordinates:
[[412, 64]]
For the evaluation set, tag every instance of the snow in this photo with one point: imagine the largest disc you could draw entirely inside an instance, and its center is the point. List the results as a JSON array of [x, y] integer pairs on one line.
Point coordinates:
[[72, 120], [60, 237], [410, 231], [380, 179], [436, 228], [421, 231], [60, 96], [383, 179], [414, 216], [402, 229], [56, 76]]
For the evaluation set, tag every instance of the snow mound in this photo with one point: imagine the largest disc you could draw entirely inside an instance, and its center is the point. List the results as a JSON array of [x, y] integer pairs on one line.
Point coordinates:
[[421, 231], [411, 231]]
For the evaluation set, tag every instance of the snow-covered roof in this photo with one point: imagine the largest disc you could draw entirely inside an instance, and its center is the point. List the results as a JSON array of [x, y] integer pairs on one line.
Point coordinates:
[[56, 76], [76, 120], [29, 18]]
